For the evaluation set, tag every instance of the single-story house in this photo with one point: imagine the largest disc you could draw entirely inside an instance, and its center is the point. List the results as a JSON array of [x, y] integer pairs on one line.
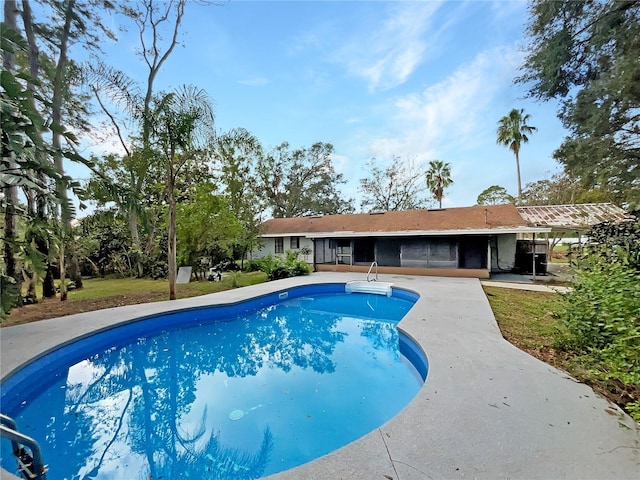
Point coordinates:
[[465, 242]]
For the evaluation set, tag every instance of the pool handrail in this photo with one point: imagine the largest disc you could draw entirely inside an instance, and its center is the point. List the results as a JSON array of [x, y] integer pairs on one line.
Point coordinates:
[[374, 263], [36, 468]]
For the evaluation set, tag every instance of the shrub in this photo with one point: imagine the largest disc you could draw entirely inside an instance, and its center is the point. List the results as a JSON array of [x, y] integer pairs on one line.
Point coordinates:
[[9, 295], [277, 267], [159, 269], [252, 266], [600, 318], [227, 265], [618, 242], [603, 305]]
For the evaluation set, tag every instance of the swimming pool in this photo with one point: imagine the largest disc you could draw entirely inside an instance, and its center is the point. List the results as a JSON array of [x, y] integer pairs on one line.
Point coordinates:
[[237, 391]]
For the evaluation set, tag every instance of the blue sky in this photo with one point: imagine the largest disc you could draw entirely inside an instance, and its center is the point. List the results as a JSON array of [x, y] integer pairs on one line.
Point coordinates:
[[420, 80]]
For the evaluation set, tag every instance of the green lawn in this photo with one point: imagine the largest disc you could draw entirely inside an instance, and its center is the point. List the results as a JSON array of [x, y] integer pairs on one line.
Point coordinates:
[[96, 288], [526, 318], [559, 254]]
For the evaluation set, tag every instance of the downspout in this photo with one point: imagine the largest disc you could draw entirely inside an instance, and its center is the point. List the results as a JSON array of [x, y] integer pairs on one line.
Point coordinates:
[[313, 254], [489, 254]]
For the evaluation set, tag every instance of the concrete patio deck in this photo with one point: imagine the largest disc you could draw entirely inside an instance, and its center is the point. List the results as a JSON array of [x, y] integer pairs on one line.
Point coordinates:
[[487, 409]]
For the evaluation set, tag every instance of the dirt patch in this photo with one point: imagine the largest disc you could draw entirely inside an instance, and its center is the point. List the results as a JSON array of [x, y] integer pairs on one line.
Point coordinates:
[[54, 307]]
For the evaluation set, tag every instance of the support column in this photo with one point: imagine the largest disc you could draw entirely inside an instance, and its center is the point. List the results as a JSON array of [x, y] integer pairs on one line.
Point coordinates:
[[534, 256]]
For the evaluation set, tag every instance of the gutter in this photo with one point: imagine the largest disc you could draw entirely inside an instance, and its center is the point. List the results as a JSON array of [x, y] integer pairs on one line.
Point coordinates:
[[411, 233]]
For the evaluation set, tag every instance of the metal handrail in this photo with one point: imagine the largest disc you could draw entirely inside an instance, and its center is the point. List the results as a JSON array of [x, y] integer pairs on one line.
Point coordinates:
[[374, 263], [30, 465]]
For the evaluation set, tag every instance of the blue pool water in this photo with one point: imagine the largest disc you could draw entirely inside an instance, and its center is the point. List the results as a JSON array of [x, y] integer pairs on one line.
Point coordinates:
[[235, 392]]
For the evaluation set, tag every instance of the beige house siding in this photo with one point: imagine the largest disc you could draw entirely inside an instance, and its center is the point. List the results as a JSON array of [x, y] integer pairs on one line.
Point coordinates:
[[269, 247]]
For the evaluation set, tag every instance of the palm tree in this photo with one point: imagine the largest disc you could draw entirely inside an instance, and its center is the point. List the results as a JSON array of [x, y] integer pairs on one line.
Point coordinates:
[[182, 129], [512, 132], [438, 178]]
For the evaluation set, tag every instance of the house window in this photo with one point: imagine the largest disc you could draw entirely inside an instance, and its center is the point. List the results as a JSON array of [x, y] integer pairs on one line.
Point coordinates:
[[279, 245], [295, 243]]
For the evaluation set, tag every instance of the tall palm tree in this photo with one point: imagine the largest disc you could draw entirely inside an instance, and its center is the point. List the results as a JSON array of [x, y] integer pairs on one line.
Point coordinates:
[[438, 178], [182, 130], [512, 132]]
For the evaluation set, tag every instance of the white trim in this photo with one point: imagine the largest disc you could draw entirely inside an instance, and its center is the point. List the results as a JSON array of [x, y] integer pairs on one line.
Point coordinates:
[[412, 233]]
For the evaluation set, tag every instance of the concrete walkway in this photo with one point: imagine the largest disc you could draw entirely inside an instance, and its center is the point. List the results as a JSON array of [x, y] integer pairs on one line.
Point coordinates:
[[487, 409]]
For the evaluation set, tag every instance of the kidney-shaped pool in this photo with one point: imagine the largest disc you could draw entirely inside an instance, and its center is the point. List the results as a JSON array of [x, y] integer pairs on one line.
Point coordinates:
[[228, 392]]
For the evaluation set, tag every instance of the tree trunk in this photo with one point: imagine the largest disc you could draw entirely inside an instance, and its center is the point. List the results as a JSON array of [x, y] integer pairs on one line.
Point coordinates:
[[132, 218], [10, 192], [63, 273], [56, 116], [172, 251], [75, 275], [518, 169], [48, 287], [48, 283], [31, 280]]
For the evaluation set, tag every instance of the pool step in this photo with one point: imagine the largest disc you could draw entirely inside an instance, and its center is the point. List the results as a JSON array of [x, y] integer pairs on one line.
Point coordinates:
[[361, 286]]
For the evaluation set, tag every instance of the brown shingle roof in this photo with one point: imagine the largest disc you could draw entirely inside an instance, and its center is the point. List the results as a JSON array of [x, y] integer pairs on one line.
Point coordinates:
[[579, 216], [477, 218]]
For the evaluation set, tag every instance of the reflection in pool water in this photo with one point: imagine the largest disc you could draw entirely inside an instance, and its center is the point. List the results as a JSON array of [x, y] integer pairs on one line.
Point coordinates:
[[269, 390]]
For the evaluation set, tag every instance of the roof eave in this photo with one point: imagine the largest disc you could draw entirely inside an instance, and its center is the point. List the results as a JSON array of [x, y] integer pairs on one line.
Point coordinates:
[[412, 233]]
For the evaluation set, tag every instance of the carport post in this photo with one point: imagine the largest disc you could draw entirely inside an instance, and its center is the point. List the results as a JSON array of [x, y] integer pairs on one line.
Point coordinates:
[[534, 256]]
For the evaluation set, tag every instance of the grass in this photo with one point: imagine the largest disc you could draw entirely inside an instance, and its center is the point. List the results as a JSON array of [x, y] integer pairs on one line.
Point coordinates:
[[100, 293], [559, 254], [527, 319], [97, 288]]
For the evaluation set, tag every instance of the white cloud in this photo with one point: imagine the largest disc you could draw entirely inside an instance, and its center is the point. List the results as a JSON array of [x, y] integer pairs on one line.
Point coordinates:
[[387, 55], [340, 162], [450, 113]]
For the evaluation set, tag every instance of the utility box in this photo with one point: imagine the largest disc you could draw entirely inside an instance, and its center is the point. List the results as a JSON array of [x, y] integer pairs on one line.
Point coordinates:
[[525, 252]]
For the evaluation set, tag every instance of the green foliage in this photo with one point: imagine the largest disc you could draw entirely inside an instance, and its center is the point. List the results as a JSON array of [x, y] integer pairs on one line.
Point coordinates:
[[585, 54], [106, 242], [301, 182], [438, 178], [205, 227], [238, 153], [562, 189], [495, 195], [617, 242], [604, 303], [159, 269], [9, 294], [601, 315], [277, 267], [512, 133], [253, 266]]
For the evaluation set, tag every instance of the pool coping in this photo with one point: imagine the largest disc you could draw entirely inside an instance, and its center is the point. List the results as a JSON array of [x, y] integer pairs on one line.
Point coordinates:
[[487, 410]]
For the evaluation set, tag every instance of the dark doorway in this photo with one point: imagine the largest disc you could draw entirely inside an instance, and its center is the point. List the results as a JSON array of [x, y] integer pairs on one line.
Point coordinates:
[[364, 250], [473, 252]]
